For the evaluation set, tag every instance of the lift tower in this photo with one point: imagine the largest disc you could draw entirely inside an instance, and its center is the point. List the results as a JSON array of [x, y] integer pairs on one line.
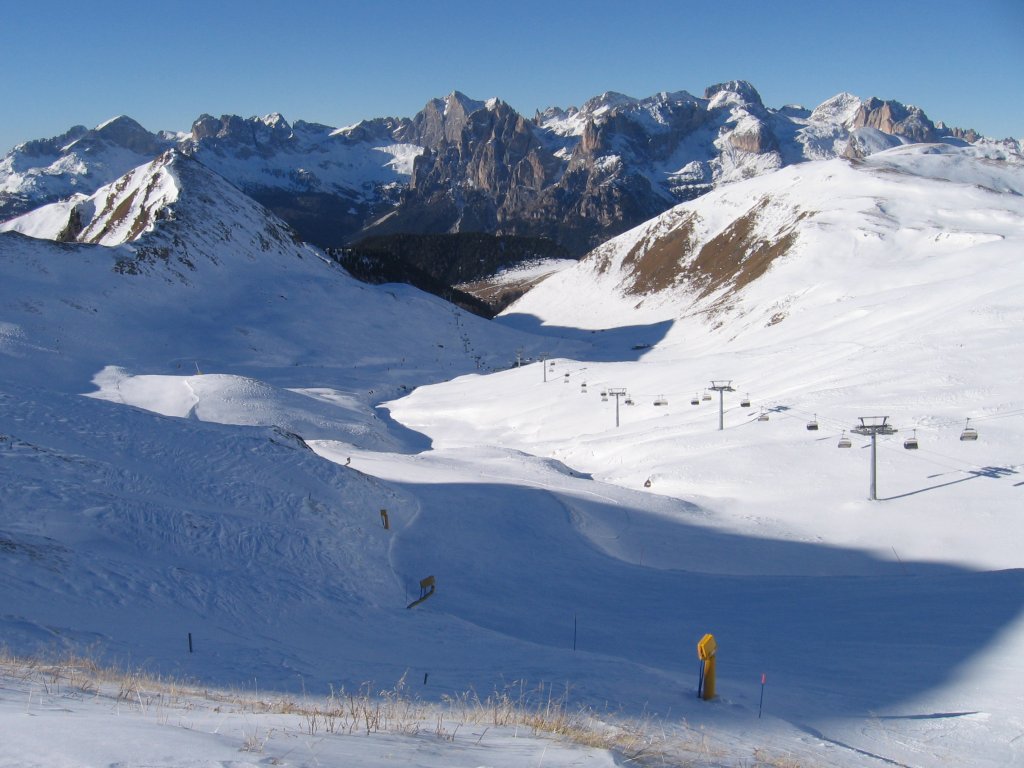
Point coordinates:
[[616, 392], [721, 387], [872, 426]]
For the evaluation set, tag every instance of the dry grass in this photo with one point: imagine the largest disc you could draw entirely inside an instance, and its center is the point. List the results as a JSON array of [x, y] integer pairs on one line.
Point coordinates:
[[539, 710]]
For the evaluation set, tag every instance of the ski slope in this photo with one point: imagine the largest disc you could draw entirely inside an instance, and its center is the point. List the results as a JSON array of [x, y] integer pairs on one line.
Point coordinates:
[[211, 457]]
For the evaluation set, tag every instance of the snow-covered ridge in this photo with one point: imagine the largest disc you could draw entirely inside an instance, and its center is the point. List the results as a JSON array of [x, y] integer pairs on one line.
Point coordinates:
[[696, 260]]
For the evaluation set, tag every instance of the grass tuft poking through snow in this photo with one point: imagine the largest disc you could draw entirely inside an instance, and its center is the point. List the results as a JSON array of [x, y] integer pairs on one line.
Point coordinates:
[[259, 722]]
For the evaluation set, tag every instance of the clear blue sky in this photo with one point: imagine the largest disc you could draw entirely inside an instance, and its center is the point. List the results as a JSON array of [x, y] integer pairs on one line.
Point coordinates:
[[66, 63]]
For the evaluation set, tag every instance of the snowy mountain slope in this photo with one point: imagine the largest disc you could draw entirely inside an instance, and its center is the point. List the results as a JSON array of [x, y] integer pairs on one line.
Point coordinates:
[[80, 161], [226, 275], [885, 287], [183, 495]]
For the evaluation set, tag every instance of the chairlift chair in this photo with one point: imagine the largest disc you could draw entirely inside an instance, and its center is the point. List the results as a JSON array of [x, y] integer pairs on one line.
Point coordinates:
[[604, 397], [763, 416], [661, 400], [844, 441], [695, 400], [969, 433], [707, 395], [911, 442], [745, 402], [812, 425], [628, 401]]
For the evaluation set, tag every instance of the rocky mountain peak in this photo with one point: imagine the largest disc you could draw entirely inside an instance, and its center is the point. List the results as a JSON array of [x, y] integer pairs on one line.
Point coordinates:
[[733, 93], [606, 102], [894, 118], [441, 121], [841, 109], [125, 132], [254, 131]]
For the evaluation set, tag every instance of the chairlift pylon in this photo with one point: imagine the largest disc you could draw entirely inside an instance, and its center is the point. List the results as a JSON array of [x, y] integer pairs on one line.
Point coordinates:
[[969, 433], [911, 442]]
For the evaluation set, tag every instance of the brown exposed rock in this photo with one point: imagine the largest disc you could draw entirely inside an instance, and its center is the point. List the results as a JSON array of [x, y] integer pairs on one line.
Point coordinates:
[[896, 119], [656, 263], [727, 262], [757, 139]]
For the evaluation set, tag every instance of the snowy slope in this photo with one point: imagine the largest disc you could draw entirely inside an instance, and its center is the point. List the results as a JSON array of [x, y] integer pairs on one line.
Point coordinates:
[[80, 161], [898, 294], [226, 473]]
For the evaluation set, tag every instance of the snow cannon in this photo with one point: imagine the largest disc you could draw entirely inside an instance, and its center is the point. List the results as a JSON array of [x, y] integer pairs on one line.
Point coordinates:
[[706, 649]]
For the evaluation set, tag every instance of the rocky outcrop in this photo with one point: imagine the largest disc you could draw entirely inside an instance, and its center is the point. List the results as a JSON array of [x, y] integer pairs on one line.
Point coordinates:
[[896, 119], [258, 134]]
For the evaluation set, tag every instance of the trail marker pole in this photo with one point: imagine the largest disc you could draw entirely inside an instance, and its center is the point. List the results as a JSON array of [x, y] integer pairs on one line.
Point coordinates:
[[721, 387], [190, 642], [574, 633], [764, 679]]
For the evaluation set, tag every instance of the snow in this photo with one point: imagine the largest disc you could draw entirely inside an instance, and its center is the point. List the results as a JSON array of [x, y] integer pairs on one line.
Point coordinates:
[[246, 419]]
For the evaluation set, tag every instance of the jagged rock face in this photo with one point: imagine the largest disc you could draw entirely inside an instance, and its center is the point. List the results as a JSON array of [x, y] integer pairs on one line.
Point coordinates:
[[896, 119], [262, 135], [441, 121]]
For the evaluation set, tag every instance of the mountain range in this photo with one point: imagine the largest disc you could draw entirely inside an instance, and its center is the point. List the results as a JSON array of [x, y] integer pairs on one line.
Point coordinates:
[[204, 417], [560, 183]]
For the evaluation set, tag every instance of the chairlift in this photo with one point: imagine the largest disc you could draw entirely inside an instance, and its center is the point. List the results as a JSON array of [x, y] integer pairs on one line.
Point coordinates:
[[911, 442], [844, 441], [745, 402], [604, 397], [707, 395], [552, 364], [566, 379], [812, 425], [763, 416], [661, 400], [969, 433], [695, 400], [628, 400]]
